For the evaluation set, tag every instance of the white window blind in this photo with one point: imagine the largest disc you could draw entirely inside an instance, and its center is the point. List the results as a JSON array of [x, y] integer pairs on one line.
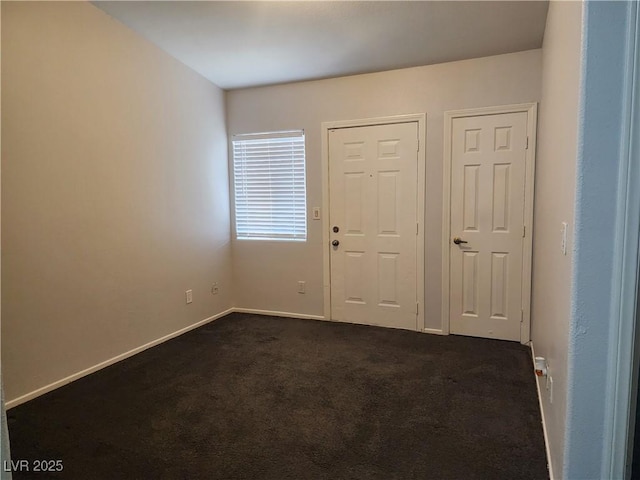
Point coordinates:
[[270, 186]]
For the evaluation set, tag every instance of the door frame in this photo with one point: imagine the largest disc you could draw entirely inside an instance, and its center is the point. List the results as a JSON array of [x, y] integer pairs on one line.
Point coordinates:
[[531, 109], [624, 354], [421, 120]]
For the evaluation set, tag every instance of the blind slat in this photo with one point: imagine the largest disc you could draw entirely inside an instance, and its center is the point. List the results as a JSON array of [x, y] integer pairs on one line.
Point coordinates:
[[270, 186]]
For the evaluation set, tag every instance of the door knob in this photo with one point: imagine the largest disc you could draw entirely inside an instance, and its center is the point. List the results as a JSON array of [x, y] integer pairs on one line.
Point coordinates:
[[335, 243], [458, 240]]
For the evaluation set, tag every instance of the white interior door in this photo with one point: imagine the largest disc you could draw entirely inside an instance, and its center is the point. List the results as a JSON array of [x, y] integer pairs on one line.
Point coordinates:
[[373, 179], [488, 167]]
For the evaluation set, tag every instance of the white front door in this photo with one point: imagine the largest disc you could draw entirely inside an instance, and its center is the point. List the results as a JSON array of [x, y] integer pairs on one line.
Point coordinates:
[[373, 180], [488, 160]]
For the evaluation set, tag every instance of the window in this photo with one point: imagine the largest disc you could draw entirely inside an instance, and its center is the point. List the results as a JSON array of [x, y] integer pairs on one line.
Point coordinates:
[[269, 183]]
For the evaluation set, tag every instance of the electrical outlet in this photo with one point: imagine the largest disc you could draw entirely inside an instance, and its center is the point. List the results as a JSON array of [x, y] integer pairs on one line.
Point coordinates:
[[214, 288], [302, 287], [188, 296]]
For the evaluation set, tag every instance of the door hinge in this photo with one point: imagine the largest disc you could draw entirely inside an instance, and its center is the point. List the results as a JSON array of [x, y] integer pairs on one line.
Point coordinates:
[[417, 228], [521, 316], [524, 231], [527, 146], [417, 308]]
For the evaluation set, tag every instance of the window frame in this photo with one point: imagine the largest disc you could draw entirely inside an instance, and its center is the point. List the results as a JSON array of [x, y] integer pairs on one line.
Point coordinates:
[[243, 228]]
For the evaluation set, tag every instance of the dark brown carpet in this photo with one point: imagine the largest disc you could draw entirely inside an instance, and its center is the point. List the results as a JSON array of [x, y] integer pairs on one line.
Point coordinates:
[[254, 397]]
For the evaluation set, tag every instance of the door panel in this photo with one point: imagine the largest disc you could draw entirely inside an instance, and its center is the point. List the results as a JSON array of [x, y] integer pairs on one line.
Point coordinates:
[[373, 202], [488, 166]]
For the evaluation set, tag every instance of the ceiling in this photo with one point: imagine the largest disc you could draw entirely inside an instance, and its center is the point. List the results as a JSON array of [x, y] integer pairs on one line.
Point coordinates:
[[245, 43]]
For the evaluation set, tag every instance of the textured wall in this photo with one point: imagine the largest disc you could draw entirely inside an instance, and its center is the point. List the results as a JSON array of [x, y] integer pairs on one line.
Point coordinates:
[[554, 204], [266, 274], [593, 334], [114, 193]]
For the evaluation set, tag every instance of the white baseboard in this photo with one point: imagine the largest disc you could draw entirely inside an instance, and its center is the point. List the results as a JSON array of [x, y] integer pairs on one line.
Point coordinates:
[[59, 383], [64, 381], [544, 423], [274, 313], [434, 331]]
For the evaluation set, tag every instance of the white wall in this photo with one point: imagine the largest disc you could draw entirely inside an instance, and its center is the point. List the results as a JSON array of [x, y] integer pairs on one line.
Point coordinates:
[[114, 193], [554, 204], [4, 431], [609, 30], [266, 273]]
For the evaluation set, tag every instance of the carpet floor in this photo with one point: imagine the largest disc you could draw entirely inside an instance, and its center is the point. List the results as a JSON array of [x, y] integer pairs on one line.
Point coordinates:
[[255, 397]]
